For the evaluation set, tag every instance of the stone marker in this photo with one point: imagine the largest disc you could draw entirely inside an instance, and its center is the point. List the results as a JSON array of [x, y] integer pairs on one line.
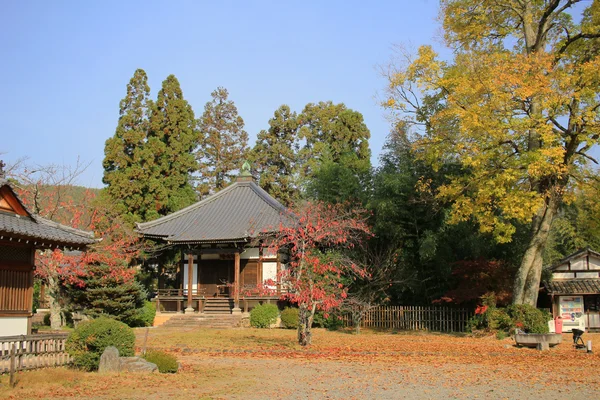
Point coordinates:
[[137, 364], [109, 360]]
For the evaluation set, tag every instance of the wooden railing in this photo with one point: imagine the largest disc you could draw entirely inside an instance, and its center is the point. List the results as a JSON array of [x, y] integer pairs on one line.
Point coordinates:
[[32, 351], [431, 318]]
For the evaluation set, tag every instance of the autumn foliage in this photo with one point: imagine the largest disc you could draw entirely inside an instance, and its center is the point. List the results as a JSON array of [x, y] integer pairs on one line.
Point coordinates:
[[318, 272]]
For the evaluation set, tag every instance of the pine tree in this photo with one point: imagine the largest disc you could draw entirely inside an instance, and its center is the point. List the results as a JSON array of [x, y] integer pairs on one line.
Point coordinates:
[[224, 145], [123, 161], [171, 141], [275, 156]]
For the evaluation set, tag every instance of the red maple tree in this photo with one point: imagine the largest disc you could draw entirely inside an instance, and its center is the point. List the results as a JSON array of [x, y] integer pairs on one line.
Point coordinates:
[[317, 273], [50, 193]]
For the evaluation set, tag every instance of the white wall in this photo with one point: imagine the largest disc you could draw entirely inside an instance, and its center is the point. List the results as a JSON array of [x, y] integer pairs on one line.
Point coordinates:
[[11, 326]]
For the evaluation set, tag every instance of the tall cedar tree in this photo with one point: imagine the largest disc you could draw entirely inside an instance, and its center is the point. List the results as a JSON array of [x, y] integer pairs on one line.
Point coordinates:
[[275, 156], [522, 94], [225, 143], [335, 158], [125, 169], [172, 140], [333, 133]]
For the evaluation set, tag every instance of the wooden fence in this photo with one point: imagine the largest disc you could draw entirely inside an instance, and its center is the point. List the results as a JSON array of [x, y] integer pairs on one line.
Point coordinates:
[[32, 352], [431, 318]]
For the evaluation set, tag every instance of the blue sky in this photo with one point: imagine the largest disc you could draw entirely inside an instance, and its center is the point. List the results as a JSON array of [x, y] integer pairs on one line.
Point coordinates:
[[65, 64]]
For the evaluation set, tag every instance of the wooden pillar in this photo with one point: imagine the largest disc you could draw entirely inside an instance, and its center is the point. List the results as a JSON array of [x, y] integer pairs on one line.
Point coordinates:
[[189, 308], [278, 276], [236, 282]]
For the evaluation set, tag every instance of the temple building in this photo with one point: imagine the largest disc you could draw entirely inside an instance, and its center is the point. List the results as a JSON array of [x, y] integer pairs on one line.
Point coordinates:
[[225, 258]]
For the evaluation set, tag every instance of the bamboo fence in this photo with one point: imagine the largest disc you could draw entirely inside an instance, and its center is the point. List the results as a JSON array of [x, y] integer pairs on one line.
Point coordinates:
[[430, 318]]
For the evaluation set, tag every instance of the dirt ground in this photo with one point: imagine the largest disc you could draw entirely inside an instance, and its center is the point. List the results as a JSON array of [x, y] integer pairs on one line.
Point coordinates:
[[267, 364]]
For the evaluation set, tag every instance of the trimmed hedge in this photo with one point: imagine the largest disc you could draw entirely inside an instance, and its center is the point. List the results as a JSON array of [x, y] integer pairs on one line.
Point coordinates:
[[263, 316], [166, 363], [89, 340], [289, 318]]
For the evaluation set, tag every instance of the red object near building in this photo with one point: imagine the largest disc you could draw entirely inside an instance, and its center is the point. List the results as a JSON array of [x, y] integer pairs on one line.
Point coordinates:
[[558, 325]]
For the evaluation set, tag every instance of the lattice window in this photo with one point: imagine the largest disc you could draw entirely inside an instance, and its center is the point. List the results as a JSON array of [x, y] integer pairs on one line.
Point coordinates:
[[15, 254]]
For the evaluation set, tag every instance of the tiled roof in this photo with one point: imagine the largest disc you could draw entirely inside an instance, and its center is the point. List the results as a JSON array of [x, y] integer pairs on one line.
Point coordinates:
[[37, 229], [573, 286], [237, 213]]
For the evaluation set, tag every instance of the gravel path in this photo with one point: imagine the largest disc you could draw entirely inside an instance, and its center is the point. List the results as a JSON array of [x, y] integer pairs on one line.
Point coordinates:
[[306, 379]]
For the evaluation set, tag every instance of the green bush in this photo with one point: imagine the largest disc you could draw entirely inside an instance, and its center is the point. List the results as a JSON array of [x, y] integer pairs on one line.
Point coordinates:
[[143, 317], [319, 320], [89, 340], [331, 323], [166, 363], [529, 318], [263, 316], [289, 318], [47, 319]]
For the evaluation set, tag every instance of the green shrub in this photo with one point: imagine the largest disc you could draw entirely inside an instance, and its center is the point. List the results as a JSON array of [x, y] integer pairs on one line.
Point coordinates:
[[47, 319], [166, 363], [319, 320], [87, 343], [289, 318], [331, 323], [263, 316], [143, 317], [529, 318]]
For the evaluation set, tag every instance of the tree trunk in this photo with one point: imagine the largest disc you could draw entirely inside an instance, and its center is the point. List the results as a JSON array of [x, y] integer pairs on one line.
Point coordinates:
[[527, 280], [56, 322], [305, 317]]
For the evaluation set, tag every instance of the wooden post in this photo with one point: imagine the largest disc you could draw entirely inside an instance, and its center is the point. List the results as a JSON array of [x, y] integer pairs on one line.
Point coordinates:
[[236, 283], [13, 350], [189, 308], [278, 274]]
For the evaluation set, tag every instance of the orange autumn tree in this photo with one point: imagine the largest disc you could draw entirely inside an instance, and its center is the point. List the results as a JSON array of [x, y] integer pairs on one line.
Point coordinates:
[[317, 271], [517, 107]]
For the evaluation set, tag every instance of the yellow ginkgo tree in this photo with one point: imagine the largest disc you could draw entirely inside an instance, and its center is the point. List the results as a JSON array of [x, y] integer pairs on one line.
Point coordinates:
[[516, 107]]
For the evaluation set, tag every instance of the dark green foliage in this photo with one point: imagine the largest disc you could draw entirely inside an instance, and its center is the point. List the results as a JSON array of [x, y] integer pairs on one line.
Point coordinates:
[[149, 160], [335, 183], [488, 318], [332, 322], [106, 294], [47, 319], [224, 145], [263, 316], [166, 363], [144, 316], [493, 319], [125, 157], [289, 318], [275, 156], [89, 340], [333, 133], [172, 139], [529, 318]]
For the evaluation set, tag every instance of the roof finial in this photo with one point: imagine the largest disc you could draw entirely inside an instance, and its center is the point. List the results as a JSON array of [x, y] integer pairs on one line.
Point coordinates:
[[2, 173], [245, 170]]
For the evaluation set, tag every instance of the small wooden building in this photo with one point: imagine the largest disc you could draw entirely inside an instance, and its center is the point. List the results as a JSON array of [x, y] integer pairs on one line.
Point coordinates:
[[222, 256], [21, 234], [575, 290]]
